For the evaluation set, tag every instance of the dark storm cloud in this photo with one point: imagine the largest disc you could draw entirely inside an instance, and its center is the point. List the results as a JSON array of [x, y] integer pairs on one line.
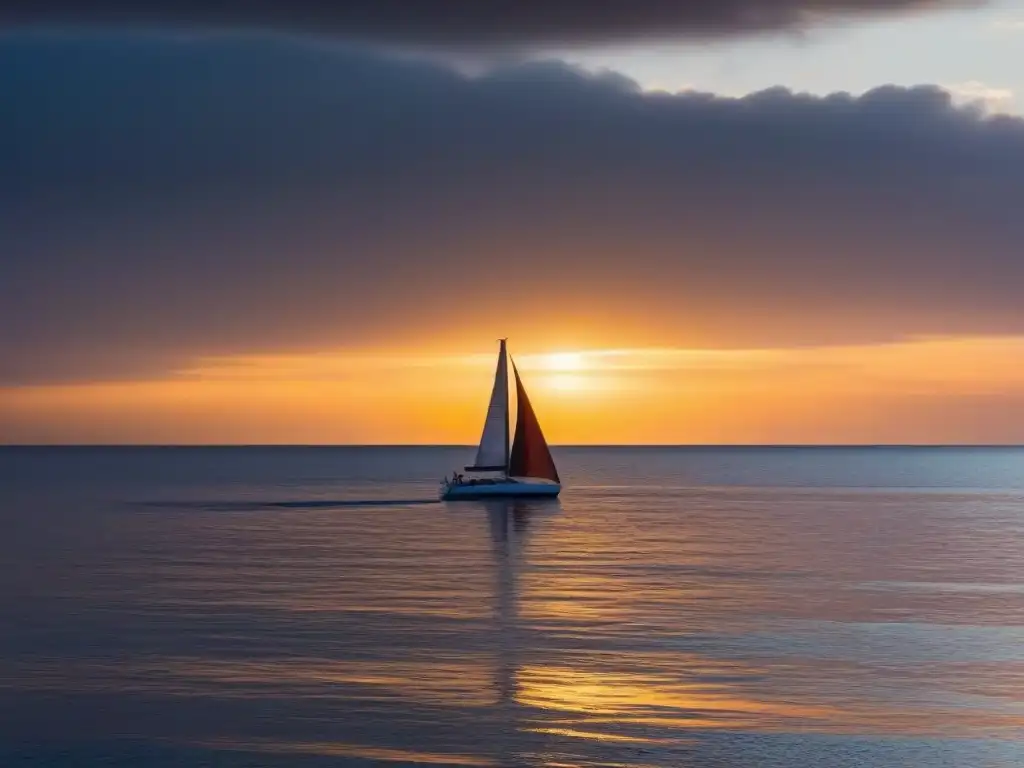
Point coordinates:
[[471, 22], [162, 200]]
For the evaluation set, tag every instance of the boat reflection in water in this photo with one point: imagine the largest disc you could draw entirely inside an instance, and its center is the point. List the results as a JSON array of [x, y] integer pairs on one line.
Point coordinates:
[[541, 730], [508, 520]]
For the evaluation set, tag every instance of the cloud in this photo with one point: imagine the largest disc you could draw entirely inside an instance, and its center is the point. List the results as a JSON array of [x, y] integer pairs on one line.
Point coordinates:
[[163, 201], [472, 22], [1008, 25], [988, 98]]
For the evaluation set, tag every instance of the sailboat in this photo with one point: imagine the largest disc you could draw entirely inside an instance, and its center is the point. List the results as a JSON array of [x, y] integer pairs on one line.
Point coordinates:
[[525, 469]]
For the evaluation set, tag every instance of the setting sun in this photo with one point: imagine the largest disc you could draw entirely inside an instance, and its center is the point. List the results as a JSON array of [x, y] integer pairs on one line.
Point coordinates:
[[564, 361], [566, 383]]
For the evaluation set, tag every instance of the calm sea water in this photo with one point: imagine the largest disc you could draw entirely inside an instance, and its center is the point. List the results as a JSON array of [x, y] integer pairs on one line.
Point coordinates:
[[805, 608]]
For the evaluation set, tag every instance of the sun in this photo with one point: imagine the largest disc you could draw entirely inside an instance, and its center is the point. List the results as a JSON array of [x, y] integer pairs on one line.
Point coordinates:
[[564, 361], [566, 383]]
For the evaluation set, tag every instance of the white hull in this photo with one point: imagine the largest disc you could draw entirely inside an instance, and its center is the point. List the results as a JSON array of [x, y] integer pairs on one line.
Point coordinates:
[[527, 487]]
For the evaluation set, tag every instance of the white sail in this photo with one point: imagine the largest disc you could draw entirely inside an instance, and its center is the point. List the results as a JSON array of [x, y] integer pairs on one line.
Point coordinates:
[[493, 450]]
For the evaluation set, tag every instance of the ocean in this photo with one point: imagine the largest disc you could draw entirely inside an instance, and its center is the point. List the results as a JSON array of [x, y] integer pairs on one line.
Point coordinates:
[[777, 607]]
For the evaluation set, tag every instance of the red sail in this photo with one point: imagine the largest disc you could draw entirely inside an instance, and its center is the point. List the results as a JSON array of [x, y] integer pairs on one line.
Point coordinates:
[[530, 455]]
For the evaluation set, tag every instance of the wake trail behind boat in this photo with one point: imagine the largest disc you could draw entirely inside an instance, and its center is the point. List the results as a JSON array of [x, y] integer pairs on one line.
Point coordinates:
[[253, 506]]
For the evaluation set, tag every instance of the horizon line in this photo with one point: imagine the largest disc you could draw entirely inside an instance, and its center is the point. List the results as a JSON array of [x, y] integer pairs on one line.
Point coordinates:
[[470, 446]]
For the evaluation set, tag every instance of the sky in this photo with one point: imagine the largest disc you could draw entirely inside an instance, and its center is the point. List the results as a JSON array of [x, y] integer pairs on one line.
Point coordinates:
[[697, 222]]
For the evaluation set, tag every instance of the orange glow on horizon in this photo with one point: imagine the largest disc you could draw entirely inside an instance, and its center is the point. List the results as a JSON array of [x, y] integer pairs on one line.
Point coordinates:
[[916, 391]]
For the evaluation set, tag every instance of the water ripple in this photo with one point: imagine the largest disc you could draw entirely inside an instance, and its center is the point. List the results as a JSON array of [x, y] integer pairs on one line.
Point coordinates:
[[284, 612]]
